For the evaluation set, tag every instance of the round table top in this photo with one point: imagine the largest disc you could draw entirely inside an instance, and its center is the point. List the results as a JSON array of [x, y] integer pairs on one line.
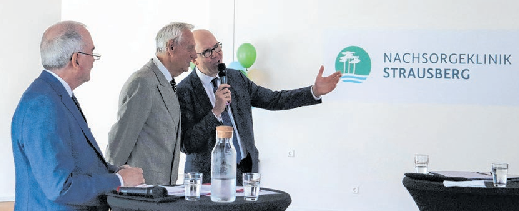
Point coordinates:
[[279, 201], [435, 183], [430, 194]]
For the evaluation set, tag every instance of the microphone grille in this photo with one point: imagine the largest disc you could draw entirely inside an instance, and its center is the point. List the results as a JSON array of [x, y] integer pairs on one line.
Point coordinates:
[[221, 66], [158, 192]]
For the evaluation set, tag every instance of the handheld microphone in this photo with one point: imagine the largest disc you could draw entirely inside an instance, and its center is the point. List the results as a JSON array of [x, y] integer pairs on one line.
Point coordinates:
[[223, 76], [149, 192], [222, 73]]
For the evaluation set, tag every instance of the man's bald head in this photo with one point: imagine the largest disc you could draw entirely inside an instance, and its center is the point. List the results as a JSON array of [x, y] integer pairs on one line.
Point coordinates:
[[203, 38], [200, 33], [207, 44], [59, 42]]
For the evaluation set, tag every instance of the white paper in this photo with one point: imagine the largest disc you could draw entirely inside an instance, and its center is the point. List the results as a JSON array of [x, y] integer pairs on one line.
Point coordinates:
[[471, 183], [206, 191]]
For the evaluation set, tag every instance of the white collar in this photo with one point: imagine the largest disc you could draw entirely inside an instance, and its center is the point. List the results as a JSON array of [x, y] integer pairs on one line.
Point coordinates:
[[64, 83], [203, 77], [162, 68]]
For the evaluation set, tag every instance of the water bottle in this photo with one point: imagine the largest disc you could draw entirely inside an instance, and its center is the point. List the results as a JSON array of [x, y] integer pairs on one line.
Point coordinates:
[[223, 166]]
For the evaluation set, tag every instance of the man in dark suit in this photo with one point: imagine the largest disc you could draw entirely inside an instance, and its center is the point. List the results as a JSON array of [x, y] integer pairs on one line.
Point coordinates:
[[147, 132], [203, 107], [58, 163]]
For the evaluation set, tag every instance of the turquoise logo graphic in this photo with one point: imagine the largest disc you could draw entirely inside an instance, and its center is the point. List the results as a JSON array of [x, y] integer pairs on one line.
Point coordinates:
[[354, 64]]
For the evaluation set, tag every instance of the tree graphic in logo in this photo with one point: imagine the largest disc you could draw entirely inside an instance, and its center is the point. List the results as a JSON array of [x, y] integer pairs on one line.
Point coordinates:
[[354, 64]]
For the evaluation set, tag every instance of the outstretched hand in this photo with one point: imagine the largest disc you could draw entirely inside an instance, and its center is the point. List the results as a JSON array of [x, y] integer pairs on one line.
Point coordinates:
[[324, 85]]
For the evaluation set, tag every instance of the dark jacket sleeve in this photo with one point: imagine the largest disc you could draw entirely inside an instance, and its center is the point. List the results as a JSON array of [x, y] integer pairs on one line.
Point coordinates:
[[265, 98], [198, 124]]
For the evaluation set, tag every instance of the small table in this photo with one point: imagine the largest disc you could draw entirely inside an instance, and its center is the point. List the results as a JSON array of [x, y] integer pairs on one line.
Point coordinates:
[[430, 194], [279, 201]]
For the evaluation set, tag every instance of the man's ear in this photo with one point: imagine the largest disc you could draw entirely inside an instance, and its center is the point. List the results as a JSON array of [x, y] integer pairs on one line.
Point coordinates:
[[74, 60], [171, 45]]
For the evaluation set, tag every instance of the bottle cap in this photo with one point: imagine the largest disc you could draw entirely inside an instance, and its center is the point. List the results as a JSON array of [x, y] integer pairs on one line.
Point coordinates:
[[224, 131]]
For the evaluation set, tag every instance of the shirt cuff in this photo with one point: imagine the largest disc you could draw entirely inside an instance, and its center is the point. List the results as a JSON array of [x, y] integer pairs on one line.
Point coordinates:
[[120, 179], [312, 91], [218, 118]]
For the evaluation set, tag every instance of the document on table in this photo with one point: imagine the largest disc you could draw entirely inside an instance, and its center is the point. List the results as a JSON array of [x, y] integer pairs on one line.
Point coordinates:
[[206, 191], [466, 174], [180, 190], [470, 175], [470, 183]]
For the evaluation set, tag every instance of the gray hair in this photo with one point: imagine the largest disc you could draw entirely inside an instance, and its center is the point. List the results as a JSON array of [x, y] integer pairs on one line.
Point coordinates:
[[59, 42], [172, 31]]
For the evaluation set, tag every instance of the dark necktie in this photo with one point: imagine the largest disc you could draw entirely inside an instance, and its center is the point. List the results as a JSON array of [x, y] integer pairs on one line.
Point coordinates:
[[227, 121], [86, 137], [78, 107], [173, 85]]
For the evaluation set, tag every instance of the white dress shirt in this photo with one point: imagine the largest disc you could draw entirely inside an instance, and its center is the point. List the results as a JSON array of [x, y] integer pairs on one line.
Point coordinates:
[[208, 86]]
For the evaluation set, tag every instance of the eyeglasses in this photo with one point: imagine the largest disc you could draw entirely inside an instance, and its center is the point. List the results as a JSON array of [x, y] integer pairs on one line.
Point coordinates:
[[209, 52], [95, 55]]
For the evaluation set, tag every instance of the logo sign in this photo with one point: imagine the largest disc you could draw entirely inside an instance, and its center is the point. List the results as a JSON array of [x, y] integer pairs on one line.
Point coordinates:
[[469, 67], [354, 64]]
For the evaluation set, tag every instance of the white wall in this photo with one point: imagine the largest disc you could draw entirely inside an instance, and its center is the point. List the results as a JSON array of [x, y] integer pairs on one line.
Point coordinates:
[[22, 26], [338, 145]]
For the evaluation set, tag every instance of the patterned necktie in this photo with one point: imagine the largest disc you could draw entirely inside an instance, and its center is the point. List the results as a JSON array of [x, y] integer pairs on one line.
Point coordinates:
[[215, 84], [227, 121], [78, 107], [173, 85]]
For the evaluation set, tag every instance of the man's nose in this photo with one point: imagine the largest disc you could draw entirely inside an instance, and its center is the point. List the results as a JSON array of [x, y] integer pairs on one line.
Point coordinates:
[[217, 55]]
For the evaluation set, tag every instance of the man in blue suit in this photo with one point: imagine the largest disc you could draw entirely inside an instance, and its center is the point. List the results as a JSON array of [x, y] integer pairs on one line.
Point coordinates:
[[203, 101], [58, 163]]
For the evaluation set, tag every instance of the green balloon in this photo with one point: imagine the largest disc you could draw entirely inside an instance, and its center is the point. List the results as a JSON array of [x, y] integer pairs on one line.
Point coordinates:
[[246, 54]]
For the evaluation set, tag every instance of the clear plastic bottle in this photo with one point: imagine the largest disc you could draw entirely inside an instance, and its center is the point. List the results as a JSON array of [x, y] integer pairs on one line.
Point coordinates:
[[223, 166]]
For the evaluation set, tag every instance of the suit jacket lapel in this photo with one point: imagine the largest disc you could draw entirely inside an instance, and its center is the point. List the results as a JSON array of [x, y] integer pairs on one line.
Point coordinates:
[[236, 109], [168, 95], [69, 104], [200, 93], [73, 109], [233, 92]]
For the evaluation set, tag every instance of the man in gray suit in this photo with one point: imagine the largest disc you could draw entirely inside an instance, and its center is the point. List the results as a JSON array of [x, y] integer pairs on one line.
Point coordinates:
[[147, 132], [203, 103]]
